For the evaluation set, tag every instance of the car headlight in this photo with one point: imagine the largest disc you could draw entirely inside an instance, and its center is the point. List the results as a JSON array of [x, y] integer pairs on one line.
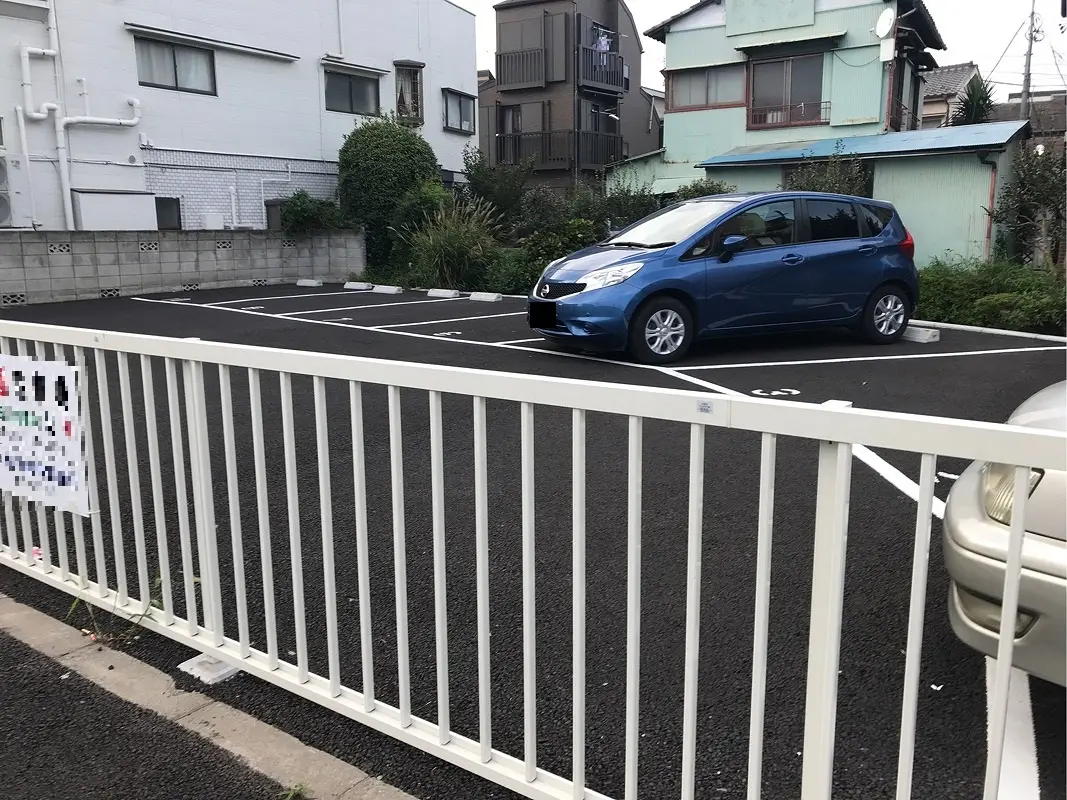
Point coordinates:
[[609, 276], [998, 490]]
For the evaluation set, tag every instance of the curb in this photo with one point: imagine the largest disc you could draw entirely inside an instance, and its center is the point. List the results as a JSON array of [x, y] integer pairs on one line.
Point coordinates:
[[952, 326], [263, 748]]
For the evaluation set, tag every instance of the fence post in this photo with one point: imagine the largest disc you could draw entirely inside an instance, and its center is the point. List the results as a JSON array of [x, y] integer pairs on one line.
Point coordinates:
[[827, 599]]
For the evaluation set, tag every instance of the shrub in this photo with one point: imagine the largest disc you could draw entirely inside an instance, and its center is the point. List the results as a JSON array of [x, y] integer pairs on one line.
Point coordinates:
[[502, 185], [303, 215], [545, 246], [838, 174], [455, 247], [1032, 205], [995, 295], [542, 209], [380, 162], [628, 203], [514, 272], [412, 212], [702, 188]]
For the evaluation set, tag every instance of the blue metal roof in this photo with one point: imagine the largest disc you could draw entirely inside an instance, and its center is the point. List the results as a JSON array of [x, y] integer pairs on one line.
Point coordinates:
[[987, 136]]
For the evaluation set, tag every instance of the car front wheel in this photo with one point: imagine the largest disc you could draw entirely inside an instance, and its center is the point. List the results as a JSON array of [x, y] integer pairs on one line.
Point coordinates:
[[661, 331], [886, 316]]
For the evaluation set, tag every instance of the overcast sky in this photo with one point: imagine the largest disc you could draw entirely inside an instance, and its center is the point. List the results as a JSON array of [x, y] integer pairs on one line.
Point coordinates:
[[974, 30]]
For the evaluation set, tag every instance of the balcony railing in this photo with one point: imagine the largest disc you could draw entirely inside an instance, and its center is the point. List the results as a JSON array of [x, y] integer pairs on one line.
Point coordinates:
[[789, 116], [601, 71], [556, 149], [902, 118], [522, 69]]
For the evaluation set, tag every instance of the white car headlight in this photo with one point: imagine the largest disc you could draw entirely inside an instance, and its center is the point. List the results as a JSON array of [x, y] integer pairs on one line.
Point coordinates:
[[998, 490], [609, 276]]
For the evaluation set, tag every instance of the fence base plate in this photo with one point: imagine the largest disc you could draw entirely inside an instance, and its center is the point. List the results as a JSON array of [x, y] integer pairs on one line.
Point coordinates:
[[207, 669]]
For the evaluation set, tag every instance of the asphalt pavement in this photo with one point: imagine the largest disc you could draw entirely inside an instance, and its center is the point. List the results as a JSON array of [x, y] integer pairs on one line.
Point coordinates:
[[965, 375]]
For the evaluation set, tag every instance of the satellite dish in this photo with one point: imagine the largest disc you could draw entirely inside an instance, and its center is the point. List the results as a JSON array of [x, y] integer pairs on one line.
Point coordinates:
[[884, 26]]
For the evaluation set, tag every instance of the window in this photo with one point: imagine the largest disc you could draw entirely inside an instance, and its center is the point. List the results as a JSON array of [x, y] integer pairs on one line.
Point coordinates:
[[409, 93], [459, 111], [767, 225], [626, 77], [511, 119], [832, 219], [877, 218], [713, 86], [168, 213], [787, 92], [352, 94], [674, 224], [175, 66], [933, 122]]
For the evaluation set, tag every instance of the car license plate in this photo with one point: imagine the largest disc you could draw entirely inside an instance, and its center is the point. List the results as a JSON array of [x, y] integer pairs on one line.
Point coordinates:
[[542, 315]]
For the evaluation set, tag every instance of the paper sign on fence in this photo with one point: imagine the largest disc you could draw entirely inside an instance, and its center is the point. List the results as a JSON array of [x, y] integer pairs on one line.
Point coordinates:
[[41, 454]]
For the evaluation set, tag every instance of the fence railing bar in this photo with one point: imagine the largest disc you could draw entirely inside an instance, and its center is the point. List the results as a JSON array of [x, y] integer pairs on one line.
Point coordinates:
[[199, 525], [95, 523], [359, 492], [440, 566], [144, 589], [292, 483], [159, 512], [41, 511], [218, 633], [255, 401], [998, 704], [400, 565], [827, 600], [633, 604], [104, 403], [24, 504], [234, 502], [181, 493], [920, 565], [57, 516], [692, 610], [322, 440], [12, 544], [77, 524], [765, 528], [481, 540], [529, 594], [578, 491]]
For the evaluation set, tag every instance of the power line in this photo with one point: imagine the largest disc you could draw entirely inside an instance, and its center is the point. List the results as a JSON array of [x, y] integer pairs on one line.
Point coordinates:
[[1010, 43]]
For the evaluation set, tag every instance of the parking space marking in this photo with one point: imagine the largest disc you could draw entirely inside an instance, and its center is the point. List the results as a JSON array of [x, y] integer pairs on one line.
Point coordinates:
[[443, 321], [899, 357], [278, 297], [353, 308], [521, 341]]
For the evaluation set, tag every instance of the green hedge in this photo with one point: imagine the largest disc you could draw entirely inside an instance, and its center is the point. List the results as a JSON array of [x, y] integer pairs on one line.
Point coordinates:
[[992, 295]]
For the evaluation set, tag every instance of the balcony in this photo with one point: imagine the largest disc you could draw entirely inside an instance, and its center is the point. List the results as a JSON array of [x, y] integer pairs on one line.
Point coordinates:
[[789, 116], [601, 71], [556, 149], [902, 118], [521, 69]]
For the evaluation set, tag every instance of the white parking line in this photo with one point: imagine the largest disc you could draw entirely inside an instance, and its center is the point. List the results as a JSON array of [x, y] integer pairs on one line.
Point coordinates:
[[368, 305], [521, 341], [276, 297], [902, 357], [1019, 775], [441, 321]]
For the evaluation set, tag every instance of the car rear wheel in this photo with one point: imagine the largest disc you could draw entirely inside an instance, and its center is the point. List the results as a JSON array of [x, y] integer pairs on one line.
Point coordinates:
[[887, 315], [661, 331]]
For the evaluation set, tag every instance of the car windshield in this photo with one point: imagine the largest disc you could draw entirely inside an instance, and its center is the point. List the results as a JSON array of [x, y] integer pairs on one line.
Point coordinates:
[[671, 225]]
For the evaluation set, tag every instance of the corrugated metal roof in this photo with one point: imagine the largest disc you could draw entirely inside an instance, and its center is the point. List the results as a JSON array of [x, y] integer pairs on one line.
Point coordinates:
[[991, 135]]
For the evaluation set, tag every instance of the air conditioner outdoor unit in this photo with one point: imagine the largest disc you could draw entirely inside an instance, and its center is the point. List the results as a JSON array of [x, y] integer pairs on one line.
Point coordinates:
[[7, 216]]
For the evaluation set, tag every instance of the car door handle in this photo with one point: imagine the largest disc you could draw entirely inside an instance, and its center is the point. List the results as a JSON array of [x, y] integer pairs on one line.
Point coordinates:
[[792, 258], [868, 250]]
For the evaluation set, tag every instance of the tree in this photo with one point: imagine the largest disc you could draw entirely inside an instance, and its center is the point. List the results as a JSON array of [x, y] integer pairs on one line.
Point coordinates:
[[838, 174], [976, 105], [702, 187], [1031, 207], [380, 162], [502, 185]]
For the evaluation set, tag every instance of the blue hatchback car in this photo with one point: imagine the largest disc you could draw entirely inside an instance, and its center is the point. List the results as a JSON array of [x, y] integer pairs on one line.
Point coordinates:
[[733, 264]]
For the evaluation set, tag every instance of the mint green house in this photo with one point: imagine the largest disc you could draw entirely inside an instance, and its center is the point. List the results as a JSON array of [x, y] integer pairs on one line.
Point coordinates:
[[754, 86]]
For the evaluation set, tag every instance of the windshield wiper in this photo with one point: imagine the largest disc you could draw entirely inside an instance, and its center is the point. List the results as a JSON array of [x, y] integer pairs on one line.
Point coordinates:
[[642, 245]]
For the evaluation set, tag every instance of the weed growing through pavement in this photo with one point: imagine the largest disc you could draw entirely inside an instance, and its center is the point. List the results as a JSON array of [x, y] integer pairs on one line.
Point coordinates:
[[298, 792]]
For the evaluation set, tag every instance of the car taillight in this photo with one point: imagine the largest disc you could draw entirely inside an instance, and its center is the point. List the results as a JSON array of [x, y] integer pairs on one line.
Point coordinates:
[[907, 247]]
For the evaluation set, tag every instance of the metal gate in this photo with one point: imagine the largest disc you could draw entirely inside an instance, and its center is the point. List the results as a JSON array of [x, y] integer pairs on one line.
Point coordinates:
[[177, 419]]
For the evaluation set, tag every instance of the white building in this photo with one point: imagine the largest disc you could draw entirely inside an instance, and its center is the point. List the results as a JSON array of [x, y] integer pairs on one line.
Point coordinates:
[[141, 114]]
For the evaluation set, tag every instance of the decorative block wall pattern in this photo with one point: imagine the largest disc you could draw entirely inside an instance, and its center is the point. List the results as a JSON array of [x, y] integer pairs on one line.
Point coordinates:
[[44, 267]]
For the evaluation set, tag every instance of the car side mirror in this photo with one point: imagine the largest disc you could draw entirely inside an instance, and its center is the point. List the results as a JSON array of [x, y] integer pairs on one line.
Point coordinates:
[[732, 245]]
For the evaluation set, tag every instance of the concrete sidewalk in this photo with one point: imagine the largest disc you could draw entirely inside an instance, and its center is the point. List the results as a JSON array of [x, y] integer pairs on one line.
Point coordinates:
[[82, 720]]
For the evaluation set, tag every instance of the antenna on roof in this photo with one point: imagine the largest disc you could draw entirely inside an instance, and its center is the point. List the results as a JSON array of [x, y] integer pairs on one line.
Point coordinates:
[[884, 29]]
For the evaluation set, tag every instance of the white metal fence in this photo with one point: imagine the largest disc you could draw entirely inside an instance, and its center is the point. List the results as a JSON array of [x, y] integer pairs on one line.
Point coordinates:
[[189, 409]]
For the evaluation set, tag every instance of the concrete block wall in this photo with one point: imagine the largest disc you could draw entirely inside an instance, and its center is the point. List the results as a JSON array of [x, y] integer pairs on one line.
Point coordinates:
[[43, 267]]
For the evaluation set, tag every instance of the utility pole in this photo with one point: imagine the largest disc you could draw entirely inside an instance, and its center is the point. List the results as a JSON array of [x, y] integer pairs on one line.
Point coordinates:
[[1024, 97]]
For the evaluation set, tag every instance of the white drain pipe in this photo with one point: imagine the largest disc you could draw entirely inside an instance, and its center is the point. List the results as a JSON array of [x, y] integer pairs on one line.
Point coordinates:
[[20, 120]]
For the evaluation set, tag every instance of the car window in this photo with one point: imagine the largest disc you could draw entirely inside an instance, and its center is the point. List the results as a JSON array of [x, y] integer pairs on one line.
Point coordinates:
[[767, 225], [672, 225], [832, 219], [877, 218]]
